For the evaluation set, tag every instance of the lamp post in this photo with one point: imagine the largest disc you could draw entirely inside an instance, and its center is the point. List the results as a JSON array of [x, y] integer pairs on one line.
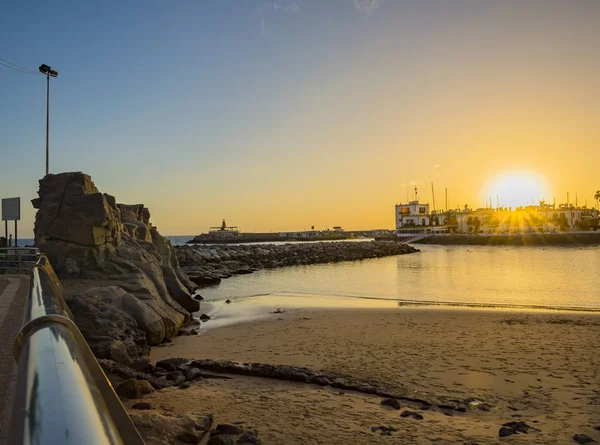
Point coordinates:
[[49, 72]]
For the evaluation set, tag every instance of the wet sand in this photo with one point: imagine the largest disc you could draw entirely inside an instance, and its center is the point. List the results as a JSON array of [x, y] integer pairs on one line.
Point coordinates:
[[541, 367]]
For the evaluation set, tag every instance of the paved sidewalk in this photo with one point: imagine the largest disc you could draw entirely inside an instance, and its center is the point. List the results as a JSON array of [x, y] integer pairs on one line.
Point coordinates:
[[13, 296]]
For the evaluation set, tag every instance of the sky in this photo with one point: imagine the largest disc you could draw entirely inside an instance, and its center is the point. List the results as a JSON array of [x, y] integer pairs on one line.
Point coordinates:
[[280, 115]]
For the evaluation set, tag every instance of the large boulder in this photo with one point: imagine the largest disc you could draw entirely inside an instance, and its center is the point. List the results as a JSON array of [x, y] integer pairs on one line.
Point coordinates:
[[88, 236], [109, 330]]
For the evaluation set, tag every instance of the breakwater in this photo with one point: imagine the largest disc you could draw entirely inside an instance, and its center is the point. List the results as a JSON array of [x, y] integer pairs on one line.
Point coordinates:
[[206, 265], [520, 239]]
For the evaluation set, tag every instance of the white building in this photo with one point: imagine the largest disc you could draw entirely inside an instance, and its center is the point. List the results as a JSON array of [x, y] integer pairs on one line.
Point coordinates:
[[415, 217]]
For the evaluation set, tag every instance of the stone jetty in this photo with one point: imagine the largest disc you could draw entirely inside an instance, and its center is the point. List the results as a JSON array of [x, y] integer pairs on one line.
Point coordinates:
[[208, 264]]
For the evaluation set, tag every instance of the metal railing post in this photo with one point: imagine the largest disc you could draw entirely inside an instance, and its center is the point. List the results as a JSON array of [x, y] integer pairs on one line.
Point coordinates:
[[62, 395]]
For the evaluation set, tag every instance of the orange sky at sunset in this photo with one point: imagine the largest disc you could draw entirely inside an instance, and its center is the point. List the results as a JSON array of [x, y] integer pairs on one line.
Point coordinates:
[[321, 113]]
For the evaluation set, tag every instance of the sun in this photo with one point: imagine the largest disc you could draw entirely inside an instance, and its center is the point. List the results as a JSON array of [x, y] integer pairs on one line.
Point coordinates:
[[517, 189]]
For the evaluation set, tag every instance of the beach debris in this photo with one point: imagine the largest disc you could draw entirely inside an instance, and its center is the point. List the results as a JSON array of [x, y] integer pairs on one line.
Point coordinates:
[[583, 439], [385, 430], [204, 317], [278, 311], [510, 428], [393, 403], [142, 405], [412, 414]]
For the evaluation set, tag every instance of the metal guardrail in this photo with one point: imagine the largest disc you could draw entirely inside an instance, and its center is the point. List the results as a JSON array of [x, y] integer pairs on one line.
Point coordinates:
[[18, 260], [62, 395]]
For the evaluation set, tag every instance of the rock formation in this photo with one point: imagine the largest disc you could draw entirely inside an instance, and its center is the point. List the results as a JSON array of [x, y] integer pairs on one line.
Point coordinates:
[[88, 236]]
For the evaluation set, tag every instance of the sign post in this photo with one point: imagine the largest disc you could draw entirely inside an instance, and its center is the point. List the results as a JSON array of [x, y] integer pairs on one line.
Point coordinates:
[[11, 211]]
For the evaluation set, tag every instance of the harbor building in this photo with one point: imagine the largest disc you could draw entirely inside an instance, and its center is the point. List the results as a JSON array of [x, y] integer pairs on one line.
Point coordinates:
[[416, 217]]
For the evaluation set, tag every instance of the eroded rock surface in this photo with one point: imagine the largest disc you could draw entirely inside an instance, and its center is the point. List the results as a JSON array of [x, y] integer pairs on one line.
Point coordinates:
[[138, 294]]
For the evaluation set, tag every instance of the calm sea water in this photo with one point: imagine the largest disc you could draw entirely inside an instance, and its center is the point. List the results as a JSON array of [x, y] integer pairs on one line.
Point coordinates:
[[528, 276]]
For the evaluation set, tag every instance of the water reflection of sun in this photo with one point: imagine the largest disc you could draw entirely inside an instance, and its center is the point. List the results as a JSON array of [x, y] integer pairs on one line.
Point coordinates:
[[517, 189]]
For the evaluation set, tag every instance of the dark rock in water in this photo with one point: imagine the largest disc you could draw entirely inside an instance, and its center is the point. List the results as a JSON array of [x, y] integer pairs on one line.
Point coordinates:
[[394, 403], [250, 437], [515, 427], [583, 439], [597, 427], [220, 440], [142, 405], [204, 317], [184, 385], [198, 297], [385, 430], [228, 301], [412, 414], [224, 428]]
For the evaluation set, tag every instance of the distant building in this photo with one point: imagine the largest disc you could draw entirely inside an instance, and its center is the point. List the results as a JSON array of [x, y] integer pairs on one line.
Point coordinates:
[[415, 217], [542, 218]]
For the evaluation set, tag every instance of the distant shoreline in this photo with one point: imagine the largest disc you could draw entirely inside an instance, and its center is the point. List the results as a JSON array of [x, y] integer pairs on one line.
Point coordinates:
[[521, 239]]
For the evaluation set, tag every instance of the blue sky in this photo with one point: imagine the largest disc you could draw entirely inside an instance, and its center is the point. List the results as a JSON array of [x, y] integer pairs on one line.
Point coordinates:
[[279, 115]]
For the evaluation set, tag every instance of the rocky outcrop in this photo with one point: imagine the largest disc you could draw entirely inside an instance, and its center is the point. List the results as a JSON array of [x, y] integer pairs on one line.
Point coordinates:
[[206, 265], [160, 429], [139, 294]]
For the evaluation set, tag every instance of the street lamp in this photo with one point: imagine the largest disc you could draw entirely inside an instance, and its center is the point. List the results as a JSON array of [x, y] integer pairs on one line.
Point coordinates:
[[49, 72]]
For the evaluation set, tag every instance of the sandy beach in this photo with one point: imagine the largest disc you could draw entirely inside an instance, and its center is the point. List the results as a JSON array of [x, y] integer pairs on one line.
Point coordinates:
[[540, 367]]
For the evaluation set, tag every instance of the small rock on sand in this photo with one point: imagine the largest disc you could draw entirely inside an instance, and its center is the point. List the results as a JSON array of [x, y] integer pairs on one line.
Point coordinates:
[[412, 414], [583, 439], [142, 406], [204, 317], [385, 430], [224, 428], [393, 403], [510, 428]]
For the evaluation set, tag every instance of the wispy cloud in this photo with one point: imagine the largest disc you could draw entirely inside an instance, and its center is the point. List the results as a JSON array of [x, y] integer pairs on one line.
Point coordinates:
[[436, 166], [366, 5], [286, 6], [266, 12]]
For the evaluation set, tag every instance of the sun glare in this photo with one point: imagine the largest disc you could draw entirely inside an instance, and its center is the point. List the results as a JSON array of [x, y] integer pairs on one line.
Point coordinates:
[[517, 189]]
